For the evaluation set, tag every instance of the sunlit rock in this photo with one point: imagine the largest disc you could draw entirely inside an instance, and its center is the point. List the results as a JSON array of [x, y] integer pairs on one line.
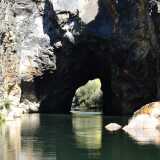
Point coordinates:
[[113, 127], [151, 109], [88, 9], [146, 117], [145, 123], [142, 122], [28, 106], [70, 36]]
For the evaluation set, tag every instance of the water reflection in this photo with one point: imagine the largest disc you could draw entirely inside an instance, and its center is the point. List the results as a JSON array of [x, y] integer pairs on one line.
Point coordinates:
[[10, 140], [85, 132], [48, 137], [145, 136], [88, 133], [29, 126]]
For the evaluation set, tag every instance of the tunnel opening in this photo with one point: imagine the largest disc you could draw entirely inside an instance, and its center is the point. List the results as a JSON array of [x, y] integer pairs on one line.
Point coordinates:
[[88, 98], [99, 50], [76, 64], [57, 98], [87, 61]]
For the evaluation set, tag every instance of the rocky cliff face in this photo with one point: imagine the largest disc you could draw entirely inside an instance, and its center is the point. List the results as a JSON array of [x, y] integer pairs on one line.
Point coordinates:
[[49, 48]]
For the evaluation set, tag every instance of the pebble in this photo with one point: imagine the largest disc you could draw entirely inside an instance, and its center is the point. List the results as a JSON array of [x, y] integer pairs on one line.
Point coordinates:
[[113, 127]]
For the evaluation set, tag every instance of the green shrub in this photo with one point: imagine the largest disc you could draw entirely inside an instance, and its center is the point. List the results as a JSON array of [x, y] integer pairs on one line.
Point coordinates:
[[5, 103], [2, 118], [88, 97]]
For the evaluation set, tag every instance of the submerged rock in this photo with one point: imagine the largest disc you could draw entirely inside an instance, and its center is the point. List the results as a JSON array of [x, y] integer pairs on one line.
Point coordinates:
[[113, 127]]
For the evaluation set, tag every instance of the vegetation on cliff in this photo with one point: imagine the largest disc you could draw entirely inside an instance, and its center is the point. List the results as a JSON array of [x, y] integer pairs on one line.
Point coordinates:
[[88, 97], [5, 105]]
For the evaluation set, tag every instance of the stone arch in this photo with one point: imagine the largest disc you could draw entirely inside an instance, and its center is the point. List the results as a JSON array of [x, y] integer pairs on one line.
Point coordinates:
[[119, 57], [86, 63]]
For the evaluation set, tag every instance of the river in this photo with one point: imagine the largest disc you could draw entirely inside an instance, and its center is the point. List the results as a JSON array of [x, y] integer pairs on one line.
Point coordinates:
[[66, 137]]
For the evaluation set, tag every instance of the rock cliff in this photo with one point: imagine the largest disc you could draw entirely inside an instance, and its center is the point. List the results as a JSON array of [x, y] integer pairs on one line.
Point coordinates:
[[49, 48]]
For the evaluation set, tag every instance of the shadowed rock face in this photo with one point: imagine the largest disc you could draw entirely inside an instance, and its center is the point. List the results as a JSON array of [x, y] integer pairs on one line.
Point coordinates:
[[63, 45]]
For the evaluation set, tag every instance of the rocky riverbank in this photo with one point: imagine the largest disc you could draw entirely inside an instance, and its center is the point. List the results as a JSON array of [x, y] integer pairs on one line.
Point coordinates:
[[10, 111]]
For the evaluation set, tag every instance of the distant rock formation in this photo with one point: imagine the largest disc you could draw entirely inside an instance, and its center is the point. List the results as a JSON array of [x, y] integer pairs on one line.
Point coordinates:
[[48, 49]]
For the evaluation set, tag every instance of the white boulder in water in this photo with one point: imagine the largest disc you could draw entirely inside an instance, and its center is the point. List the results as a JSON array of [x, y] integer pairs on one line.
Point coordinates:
[[113, 127], [145, 124], [147, 117], [144, 129], [142, 122]]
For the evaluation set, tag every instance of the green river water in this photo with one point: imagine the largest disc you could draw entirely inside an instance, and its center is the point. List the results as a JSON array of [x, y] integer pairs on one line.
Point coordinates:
[[61, 137]]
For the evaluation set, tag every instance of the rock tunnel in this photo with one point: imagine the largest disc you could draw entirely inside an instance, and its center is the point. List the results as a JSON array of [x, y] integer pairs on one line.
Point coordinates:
[[116, 46], [86, 65]]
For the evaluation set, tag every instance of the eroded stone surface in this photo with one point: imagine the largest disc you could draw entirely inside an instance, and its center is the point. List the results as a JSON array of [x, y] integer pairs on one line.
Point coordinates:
[[57, 46]]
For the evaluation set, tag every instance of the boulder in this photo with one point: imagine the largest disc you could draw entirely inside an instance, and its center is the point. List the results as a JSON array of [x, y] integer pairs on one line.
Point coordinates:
[[151, 109], [28, 106], [147, 117], [113, 127], [142, 122]]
